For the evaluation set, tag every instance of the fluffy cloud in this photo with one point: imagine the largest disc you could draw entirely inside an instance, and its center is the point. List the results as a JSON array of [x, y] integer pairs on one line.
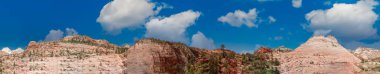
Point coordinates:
[[71, 32], [172, 28], [349, 22], [119, 14], [239, 18], [18, 50], [9, 51], [58, 34], [297, 3], [271, 19], [201, 41], [54, 35]]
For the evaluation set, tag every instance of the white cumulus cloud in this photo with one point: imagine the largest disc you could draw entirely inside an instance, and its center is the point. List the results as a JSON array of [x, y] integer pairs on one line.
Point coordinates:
[[201, 41], [296, 3], [18, 50], [54, 35], [346, 21], [239, 18], [172, 28], [71, 32], [59, 34], [7, 50], [119, 14]]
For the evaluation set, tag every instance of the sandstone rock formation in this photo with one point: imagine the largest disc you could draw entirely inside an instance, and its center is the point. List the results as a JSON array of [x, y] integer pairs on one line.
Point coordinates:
[[282, 49], [155, 56], [126, 46], [371, 60], [321, 55], [72, 55], [264, 50], [2, 53], [367, 54], [84, 55]]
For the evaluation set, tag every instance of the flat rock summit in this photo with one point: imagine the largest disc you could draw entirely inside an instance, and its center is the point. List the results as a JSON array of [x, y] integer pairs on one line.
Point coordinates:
[[84, 55]]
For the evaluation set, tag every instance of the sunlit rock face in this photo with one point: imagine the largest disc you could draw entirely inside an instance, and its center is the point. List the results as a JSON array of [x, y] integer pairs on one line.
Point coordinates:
[[371, 60], [84, 55], [72, 55], [155, 56], [319, 55], [367, 54]]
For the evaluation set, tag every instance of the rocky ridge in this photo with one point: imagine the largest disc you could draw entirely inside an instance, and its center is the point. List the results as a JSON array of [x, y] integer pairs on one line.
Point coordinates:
[[155, 56], [319, 55], [73, 54], [84, 55], [370, 60], [367, 54]]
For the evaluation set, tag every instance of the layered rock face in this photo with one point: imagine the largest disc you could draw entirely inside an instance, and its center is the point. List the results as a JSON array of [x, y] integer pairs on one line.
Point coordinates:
[[84, 55], [371, 60], [367, 54], [152, 56], [2, 53], [321, 55], [72, 55], [155, 56]]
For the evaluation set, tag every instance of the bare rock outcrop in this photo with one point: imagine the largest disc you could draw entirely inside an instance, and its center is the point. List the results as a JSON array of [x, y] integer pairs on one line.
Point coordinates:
[[367, 54], [2, 53], [371, 60], [84, 55], [149, 56], [72, 55], [321, 55], [153, 56], [88, 40]]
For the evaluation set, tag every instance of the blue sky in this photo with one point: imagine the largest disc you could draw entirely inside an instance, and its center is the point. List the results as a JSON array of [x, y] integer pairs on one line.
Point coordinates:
[[25, 20]]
